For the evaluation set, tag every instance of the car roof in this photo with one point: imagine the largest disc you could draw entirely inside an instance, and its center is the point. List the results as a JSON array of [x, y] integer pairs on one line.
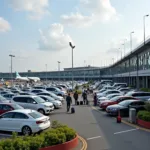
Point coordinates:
[[23, 110], [32, 96]]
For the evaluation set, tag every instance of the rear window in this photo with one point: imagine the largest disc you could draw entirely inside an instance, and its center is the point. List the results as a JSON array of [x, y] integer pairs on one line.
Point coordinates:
[[35, 115]]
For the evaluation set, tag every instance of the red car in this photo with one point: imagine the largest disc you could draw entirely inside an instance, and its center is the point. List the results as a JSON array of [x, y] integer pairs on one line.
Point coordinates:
[[115, 100], [5, 107]]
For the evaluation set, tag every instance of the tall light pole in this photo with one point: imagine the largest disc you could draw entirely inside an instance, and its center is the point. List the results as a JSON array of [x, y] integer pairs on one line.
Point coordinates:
[[46, 72], [118, 53], [124, 46], [72, 47], [59, 68], [144, 25], [11, 56], [131, 40]]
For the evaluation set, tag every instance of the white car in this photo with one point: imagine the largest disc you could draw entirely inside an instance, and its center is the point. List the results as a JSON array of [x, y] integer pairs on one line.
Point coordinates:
[[56, 103], [24, 121], [34, 103]]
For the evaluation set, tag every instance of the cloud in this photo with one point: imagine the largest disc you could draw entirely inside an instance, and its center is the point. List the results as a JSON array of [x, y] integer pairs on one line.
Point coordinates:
[[54, 38], [77, 19], [36, 8], [4, 25], [98, 10]]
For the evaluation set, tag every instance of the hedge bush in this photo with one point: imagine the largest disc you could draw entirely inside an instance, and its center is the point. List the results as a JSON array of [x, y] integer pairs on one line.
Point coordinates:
[[57, 134], [145, 89], [144, 115], [147, 106]]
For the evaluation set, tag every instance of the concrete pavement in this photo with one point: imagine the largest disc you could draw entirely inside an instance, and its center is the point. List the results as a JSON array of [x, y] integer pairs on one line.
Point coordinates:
[[101, 131]]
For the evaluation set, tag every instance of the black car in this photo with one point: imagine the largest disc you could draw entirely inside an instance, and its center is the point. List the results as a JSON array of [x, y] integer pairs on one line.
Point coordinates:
[[125, 106]]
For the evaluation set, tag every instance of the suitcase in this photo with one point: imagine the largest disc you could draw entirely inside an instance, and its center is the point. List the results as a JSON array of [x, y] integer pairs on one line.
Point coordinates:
[[81, 102], [72, 110], [77, 102], [87, 102]]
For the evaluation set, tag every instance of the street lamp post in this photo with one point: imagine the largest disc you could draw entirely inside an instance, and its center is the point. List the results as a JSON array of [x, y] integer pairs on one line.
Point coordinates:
[[124, 46], [11, 56], [59, 68], [72, 47], [131, 40], [129, 58], [144, 25], [46, 72]]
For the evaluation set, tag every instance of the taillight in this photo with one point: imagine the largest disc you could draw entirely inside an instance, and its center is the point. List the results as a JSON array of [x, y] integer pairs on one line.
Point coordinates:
[[39, 122]]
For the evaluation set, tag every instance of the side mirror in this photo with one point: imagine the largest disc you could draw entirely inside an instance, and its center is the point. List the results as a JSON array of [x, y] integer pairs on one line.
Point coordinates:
[[34, 102]]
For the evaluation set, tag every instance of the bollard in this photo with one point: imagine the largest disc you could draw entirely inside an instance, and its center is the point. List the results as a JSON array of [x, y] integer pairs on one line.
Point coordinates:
[[119, 117]]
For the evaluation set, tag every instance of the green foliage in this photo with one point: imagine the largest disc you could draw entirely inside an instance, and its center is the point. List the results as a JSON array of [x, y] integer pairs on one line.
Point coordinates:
[[58, 134], [147, 106], [144, 115], [86, 85], [76, 87], [145, 89], [90, 82]]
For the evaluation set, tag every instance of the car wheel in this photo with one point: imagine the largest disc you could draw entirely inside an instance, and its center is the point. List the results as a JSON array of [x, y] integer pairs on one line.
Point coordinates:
[[54, 107], [26, 130], [41, 111]]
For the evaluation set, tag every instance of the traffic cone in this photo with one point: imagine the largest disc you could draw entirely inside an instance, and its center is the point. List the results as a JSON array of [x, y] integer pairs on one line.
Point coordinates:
[[119, 117]]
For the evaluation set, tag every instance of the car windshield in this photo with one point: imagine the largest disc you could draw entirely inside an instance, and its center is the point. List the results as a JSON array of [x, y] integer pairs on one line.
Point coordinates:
[[125, 103], [39, 100], [50, 99], [2, 98], [114, 98], [53, 95], [15, 106], [35, 115]]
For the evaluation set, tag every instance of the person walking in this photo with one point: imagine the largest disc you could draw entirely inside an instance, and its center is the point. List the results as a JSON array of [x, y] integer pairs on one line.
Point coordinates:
[[69, 101], [75, 97], [84, 95], [95, 99]]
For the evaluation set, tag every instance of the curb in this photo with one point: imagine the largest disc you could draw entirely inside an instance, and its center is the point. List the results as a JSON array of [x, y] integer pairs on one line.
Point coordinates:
[[135, 126], [84, 147], [127, 123]]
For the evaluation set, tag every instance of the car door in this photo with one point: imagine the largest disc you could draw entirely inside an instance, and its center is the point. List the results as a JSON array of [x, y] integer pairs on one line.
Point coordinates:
[[17, 121], [31, 103], [6, 123]]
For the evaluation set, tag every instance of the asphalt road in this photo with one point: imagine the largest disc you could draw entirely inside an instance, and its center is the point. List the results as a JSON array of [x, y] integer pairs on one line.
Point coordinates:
[[101, 131]]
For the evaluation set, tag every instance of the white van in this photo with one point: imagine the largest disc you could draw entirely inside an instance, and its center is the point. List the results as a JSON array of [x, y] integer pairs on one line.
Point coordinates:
[[34, 103]]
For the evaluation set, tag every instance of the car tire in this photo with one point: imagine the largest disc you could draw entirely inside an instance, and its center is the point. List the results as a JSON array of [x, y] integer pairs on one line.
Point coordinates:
[[41, 111], [26, 130], [54, 107]]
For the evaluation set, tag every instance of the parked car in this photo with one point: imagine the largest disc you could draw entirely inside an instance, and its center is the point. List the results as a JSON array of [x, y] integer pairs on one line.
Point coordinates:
[[33, 102], [24, 121], [54, 96], [139, 95], [35, 91], [5, 107], [9, 96], [56, 103], [56, 91], [3, 100], [108, 97], [114, 100], [125, 106]]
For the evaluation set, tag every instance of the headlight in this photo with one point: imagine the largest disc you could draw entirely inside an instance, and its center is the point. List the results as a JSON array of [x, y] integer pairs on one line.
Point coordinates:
[[46, 106], [114, 109]]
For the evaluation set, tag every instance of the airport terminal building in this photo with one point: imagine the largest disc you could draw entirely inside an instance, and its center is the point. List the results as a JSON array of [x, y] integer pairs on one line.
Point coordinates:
[[134, 69]]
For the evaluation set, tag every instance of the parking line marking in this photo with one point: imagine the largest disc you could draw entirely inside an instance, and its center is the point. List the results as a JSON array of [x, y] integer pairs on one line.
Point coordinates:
[[126, 131], [96, 137]]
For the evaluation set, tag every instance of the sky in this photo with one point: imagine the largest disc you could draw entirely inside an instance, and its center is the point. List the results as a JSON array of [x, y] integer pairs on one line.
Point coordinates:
[[38, 32]]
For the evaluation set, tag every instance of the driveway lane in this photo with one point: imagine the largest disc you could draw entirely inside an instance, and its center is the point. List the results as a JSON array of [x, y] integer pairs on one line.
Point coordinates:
[[133, 140]]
